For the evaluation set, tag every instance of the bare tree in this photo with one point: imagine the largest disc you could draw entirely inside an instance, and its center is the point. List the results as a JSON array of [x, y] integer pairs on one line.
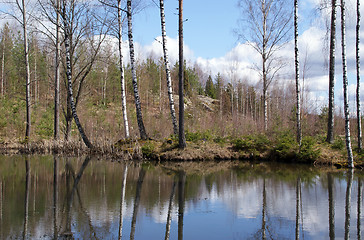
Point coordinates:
[[345, 87], [181, 134], [330, 123], [168, 72], [57, 73], [143, 134], [267, 23], [67, 42], [297, 69], [358, 114]]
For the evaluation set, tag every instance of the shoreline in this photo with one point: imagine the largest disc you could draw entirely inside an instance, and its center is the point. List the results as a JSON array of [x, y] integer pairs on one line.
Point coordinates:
[[168, 151]]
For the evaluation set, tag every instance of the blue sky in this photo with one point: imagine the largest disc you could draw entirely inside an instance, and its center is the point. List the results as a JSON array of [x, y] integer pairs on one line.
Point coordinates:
[[211, 43], [208, 31]]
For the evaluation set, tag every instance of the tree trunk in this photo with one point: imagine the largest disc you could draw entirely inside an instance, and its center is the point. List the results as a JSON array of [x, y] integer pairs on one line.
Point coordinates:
[[345, 86], [69, 81], [168, 73], [143, 134], [330, 122], [27, 74], [358, 114], [35, 77], [181, 134], [297, 68], [3, 67], [57, 75]]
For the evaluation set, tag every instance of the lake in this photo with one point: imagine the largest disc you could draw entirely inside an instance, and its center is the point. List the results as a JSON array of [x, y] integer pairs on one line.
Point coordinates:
[[47, 197]]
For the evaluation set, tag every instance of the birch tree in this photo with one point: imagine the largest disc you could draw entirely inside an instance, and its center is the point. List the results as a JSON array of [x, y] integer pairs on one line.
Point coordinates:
[[330, 122], [143, 134], [168, 72], [266, 24], [358, 114], [345, 88], [297, 69], [122, 78], [24, 23], [57, 73], [181, 134], [67, 45]]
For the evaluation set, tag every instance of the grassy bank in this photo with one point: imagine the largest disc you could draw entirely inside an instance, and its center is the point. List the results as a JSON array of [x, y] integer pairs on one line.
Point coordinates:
[[202, 146]]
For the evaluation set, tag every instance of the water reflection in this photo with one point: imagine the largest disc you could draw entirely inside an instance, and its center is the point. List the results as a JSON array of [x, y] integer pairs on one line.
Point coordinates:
[[67, 198]]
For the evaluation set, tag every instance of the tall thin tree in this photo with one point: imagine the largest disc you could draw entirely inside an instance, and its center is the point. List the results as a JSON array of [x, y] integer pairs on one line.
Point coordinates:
[[168, 72], [345, 87], [297, 69], [358, 114], [24, 23], [143, 133], [122, 78], [330, 122], [57, 73], [181, 134]]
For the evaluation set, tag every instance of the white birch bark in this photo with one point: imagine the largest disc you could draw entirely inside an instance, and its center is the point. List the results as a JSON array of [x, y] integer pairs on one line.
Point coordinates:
[[27, 73], [345, 87], [143, 134], [330, 123], [57, 74], [69, 83], [297, 69], [168, 73], [122, 78], [358, 114]]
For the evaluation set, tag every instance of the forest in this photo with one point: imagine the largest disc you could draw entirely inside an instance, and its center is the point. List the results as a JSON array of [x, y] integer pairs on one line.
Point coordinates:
[[66, 85]]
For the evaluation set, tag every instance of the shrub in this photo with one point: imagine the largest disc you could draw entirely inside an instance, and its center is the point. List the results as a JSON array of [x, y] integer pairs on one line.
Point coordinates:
[[338, 144], [308, 152], [285, 146], [148, 150], [251, 143]]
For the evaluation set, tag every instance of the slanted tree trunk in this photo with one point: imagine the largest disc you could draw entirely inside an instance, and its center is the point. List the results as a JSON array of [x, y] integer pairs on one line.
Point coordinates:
[[138, 192], [57, 74], [169, 215], [358, 114], [330, 122], [168, 73], [122, 78], [27, 73], [181, 134], [345, 86], [69, 82], [297, 69], [143, 134]]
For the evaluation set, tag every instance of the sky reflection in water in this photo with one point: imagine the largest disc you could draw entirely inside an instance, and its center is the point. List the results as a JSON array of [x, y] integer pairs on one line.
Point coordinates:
[[52, 197]]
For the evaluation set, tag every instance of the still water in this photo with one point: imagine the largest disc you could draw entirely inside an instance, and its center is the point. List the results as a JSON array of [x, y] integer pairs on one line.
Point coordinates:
[[83, 198]]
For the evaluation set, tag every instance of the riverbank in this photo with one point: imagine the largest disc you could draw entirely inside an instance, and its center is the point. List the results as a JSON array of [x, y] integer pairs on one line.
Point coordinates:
[[200, 147]]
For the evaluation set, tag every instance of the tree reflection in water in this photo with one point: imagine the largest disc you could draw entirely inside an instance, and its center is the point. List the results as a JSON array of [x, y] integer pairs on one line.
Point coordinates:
[[360, 192], [347, 203], [169, 215], [55, 195], [26, 199], [181, 202], [331, 206], [123, 186], [137, 201]]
